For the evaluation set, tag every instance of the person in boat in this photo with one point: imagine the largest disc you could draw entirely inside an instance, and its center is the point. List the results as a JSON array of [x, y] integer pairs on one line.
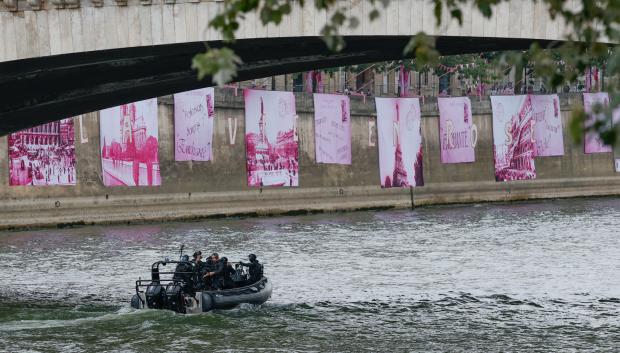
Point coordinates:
[[184, 273], [200, 268], [255, 269], [220, 276]]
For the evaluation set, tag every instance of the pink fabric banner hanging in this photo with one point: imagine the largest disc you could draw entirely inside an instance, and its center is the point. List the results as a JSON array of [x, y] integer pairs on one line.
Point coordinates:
[[593, 143], [193, 125], [43, 155], [548, 125], [271, 138], [400, 142], [129, 144], [332, 128], [457, 132], [513, 137]]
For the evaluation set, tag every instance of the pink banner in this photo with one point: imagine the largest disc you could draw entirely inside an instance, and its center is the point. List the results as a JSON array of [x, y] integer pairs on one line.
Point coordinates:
[[400, 142], [513, 136], [593, 143], [193, 125], [271, 138], [43, 155], [457, 132], [332, 128], [129, 144], [547, 126]]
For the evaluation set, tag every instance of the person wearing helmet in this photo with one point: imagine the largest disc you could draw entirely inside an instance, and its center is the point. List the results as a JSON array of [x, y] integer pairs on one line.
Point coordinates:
[[184, 273], [255, 269]]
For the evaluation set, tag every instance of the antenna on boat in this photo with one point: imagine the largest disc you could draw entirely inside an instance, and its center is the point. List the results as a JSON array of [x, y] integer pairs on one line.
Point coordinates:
[[181, 254]]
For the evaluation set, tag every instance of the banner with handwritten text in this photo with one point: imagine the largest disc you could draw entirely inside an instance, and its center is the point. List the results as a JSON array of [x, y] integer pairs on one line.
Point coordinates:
[[457, 132], [332, 128], [193, 125], [547, 125]]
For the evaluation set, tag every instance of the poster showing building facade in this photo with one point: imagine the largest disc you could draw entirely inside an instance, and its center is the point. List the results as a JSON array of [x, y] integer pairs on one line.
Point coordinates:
[[43, 155], [400, 142], [457, 132], [548, 135], [332, 128], [592, 142], [129, 144], [272, 153], [513, 138], [194, 114]]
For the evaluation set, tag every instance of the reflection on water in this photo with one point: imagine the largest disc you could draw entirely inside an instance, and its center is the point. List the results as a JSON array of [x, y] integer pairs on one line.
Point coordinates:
[[501, 277]]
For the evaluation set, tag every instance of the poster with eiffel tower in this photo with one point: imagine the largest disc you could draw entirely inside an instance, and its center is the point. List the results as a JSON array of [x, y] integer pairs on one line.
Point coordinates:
[[513, 138], [272, 151], [400, 142]]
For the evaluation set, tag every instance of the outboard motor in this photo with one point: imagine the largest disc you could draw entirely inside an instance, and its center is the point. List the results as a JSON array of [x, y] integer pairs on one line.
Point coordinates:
[[174, 297], [155, 296]]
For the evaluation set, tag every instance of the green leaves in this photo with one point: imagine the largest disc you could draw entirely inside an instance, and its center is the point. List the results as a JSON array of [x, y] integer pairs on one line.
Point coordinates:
[[221, 64]]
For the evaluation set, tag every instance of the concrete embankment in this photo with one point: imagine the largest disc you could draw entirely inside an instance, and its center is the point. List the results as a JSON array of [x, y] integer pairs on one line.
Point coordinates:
[[218, 188]]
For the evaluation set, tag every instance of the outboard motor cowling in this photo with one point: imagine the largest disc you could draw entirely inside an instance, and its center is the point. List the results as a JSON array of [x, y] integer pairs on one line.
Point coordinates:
[[155, 296], [174, 297]]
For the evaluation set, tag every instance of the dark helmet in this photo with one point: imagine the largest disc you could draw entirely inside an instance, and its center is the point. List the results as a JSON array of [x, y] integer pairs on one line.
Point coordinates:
[[185, 258], [252, 257], [197, 253], [224, 259]]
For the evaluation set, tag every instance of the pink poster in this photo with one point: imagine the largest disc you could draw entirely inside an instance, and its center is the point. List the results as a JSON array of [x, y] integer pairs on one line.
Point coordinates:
[[400, 142], [43, 155], [513, 137], [271, 138], [547, 126], [593, 143], [129, 144], [193, 125], [457, 132], [332, 128]]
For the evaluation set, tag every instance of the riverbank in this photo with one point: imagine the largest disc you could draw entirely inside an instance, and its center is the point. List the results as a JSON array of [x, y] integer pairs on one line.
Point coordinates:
[[119, 209], [194, 190]]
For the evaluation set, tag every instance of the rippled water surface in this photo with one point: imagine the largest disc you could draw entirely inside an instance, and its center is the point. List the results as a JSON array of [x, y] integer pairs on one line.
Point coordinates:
[[496, 277]]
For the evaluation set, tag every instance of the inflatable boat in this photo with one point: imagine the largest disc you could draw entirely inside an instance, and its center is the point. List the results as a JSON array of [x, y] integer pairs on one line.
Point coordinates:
[[178, 295]]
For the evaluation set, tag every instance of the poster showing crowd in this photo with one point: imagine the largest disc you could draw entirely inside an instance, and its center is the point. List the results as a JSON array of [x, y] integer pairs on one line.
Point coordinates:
[[513, 138], [593, 142], [548, 135], [43, 155], [129, 144], [271, 138], [332, 128], [193, 125], [457, 132], [400, 142]]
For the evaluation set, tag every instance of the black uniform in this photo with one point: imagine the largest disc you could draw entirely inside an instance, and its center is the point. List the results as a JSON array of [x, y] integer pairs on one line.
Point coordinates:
[[222, 274], [255, 269]]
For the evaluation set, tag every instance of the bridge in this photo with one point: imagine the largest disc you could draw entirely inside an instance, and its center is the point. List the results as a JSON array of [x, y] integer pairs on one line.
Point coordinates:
[[67, 57]]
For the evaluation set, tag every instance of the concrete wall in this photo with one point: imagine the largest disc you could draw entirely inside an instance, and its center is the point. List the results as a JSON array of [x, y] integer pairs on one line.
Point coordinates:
[[69, 26], [218, 188]]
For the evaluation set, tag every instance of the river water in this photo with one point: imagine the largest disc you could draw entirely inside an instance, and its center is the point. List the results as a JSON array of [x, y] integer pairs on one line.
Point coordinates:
[[519, 277]]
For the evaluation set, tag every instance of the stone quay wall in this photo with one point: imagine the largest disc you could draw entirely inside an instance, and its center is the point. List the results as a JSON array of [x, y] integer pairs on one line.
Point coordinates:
[[218, 188]]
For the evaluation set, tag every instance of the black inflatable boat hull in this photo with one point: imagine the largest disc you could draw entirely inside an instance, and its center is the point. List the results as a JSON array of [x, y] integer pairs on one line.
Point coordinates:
[[204, 301]]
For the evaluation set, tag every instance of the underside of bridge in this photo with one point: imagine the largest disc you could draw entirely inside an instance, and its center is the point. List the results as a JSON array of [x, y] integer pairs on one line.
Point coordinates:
[[39, 90]]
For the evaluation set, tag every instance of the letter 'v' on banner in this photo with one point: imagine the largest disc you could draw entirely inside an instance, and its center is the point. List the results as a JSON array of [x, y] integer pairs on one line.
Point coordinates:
[[232, 130]]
